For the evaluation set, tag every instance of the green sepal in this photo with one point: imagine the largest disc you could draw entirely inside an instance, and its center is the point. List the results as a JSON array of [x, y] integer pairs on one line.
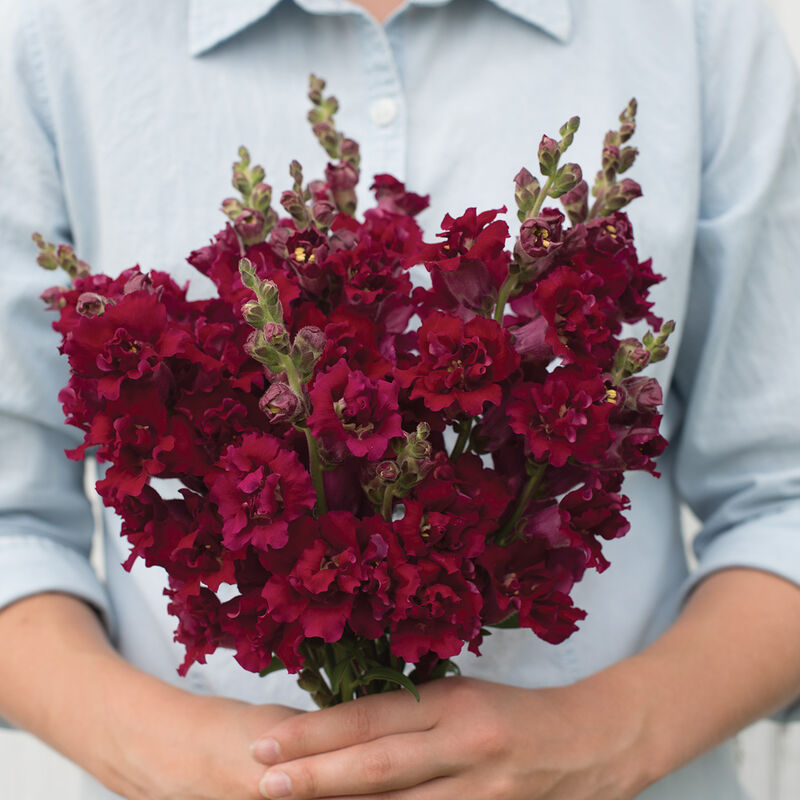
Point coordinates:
[[511, 621], [274, 666]]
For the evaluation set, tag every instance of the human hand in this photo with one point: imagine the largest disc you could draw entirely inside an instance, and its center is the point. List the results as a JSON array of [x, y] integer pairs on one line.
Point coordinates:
[[168, 744], [465, 739]]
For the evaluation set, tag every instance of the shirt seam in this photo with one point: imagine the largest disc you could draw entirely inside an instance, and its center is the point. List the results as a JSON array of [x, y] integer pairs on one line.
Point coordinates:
[[31, 35]]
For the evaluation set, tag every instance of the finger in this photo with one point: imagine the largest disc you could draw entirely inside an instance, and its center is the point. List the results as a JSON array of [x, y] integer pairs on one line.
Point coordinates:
[[345, 725], [382, 765], [437, 789]]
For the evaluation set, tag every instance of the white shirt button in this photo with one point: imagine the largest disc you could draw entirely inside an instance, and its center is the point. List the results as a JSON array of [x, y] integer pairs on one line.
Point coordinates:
[[383, 111]]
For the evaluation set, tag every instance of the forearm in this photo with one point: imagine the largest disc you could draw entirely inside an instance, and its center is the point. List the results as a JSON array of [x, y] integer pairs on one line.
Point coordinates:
[[58, 676], [144, 739], [732, 657]]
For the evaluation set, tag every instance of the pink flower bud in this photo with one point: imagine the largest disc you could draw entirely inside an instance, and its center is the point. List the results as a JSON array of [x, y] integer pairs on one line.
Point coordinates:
[[250, 225], [137, 283], [90, 304], [54, 298], [280, 403]]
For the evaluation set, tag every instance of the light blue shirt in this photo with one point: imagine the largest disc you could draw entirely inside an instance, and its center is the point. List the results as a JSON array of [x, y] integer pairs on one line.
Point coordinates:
[[120, 120]]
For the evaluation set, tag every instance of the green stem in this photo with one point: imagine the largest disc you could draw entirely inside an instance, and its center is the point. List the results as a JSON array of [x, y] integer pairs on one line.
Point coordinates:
[[543, 195], [316, 472], [509, 284], [464, 428], [314, 464], [505, 536], [386, 506]]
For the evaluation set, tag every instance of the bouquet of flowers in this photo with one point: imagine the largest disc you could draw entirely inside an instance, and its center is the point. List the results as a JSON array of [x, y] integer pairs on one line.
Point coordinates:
[[374, 474]]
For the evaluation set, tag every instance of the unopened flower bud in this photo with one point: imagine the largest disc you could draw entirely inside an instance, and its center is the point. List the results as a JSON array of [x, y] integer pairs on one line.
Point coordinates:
[[312, 339], [342, 179], [632, 357], [70, 263], [241, 183], [626, 158], [620, 194], [138, 283], [54, 298], [309, 344], [310, 681], [328, 138], [280, 403], [567, 179], [350, 152], [388, 471], [323, 213], [628, 120], [295, 207], [315, 88], [610, 161], [90, 304], [258, 347], [254, 315], [549, 153], [232, 208], [250, 225], [568, 131], [526, 192], [296, 172], [276, 336], [642, 394], [576, 203], [260, 197]]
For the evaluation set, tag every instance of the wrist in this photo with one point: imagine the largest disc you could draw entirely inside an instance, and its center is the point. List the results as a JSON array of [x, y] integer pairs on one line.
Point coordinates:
[[616, 719]]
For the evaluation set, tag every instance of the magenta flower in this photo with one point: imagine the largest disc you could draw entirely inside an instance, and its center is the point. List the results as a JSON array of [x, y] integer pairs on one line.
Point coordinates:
[[354, 413], [566, 416], [259, 487], [461, 365]]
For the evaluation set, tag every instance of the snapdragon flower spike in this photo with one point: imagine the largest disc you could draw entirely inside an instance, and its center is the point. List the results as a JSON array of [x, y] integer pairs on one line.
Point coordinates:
[[51, 257], [612, 195]]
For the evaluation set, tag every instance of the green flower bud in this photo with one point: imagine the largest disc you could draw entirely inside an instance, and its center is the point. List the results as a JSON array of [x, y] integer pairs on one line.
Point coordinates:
[[549, 153]]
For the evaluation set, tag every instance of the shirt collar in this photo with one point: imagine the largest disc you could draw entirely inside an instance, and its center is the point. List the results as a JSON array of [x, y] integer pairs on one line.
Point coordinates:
[[212, 22]]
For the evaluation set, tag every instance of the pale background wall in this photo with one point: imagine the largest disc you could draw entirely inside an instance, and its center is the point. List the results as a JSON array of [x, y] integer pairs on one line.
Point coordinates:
[[769, 754]]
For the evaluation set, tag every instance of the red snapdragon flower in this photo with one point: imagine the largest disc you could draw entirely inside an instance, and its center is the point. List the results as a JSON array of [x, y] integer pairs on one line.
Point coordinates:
[[355, 413], [259, 487], [460, 365], [566, 416]]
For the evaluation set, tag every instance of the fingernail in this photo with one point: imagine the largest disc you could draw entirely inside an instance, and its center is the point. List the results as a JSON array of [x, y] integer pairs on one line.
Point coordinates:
[[267, 751], [275, 784]]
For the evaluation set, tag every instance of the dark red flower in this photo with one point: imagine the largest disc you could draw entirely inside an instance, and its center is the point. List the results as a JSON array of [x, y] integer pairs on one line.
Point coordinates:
[[259, 487], [315, 580], [469, 266], [534, 579], [438, 611], [567, 416], [461, 365], [596, 512], [354, 413]]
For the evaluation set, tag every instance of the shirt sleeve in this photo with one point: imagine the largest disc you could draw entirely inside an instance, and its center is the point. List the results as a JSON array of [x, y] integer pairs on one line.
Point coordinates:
[[738, 455], [46, 520]]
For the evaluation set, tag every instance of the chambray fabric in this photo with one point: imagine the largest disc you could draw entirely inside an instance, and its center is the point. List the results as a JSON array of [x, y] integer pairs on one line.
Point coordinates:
[[120, 120]]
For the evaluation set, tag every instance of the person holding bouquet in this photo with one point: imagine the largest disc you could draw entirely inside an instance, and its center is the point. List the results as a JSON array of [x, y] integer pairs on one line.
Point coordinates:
[[113, 126]]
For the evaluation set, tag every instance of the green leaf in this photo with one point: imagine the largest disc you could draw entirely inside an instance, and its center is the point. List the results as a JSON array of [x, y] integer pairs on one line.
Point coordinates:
[[274, 666], [379, 673]]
